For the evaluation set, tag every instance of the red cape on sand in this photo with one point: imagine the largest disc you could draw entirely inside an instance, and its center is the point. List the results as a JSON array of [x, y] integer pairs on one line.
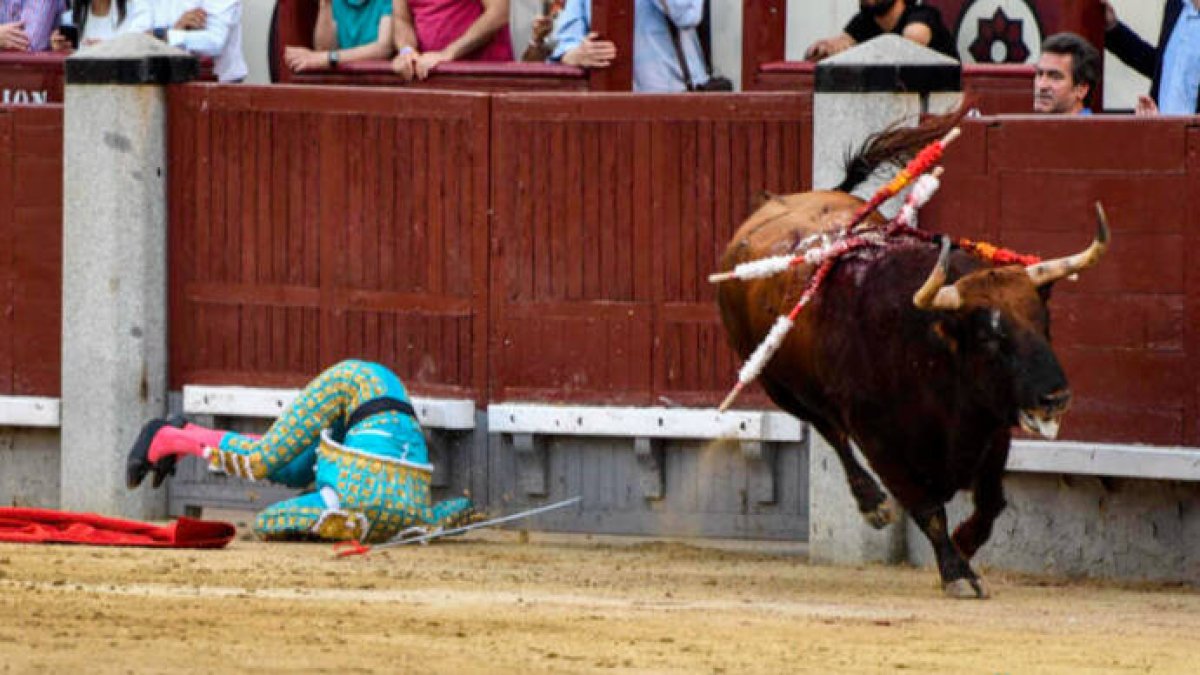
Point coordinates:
[[33, 526]]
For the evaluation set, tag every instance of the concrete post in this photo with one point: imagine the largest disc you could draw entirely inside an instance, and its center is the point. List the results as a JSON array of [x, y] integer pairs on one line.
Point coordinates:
[[865, 89], [858, 93], [114, 338]]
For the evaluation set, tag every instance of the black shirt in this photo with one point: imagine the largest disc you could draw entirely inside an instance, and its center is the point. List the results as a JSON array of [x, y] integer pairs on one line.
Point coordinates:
[[863, 27]]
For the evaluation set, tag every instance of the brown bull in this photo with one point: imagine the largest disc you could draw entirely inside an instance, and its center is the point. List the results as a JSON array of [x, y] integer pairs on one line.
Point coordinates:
[[926, 372]]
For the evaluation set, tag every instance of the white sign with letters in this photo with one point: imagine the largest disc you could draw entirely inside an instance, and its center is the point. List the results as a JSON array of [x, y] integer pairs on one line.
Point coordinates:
[[23, 97]]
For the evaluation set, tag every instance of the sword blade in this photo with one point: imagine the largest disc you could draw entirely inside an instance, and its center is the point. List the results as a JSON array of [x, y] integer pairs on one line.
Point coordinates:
[[484, 523]]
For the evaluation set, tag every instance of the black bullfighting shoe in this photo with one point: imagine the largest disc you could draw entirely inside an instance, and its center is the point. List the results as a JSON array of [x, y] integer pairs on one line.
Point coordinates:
[[138, 464]]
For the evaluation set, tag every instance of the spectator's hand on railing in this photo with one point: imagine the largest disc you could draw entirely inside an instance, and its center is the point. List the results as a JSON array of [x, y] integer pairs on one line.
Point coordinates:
[[427, 62], [13, 37], [591, 53], [193, 19], [1110, 15], [300, 59], [59, 42], [542, 25], [819, 50], [1146, 107], [405, 64]]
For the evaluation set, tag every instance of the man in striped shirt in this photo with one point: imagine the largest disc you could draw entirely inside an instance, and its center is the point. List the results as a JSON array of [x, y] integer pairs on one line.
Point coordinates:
[[25, 25]]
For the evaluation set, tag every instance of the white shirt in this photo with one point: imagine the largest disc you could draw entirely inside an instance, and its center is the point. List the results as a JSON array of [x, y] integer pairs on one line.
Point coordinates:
[[221, 38], [138, 19]]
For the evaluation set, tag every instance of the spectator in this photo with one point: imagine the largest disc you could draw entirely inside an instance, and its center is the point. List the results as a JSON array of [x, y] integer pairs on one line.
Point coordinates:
[[26, 25], [1173, 66], [100, 20], [346, 31], [540, 45], [1066, 77], [211, 28], [923, 25], [656, 67], [429, 32], [352, 431]]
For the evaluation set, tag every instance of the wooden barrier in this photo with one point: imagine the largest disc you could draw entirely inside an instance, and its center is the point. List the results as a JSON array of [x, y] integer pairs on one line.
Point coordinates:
[[308, 226], [30, 249], [603, 215], [608, 214], [1128, 333], [31, 78]]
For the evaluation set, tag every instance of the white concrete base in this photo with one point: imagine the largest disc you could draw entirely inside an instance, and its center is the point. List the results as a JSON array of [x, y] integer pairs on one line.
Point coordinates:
[[432, 413], [691, 423], [30, 411]]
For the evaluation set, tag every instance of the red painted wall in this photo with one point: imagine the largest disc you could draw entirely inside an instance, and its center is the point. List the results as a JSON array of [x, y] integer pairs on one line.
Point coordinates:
[[306, 228], [30, 249], [1128, 333]]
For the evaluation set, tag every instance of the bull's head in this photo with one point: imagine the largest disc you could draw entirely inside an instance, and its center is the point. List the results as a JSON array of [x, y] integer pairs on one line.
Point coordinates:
[[1002, 328]]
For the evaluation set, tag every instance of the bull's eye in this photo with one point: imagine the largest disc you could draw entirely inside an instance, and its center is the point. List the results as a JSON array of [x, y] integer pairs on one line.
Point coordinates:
[[990, 329]]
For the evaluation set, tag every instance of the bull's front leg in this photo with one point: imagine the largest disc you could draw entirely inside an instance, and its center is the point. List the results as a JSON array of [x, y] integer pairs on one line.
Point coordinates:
[[988, 495], [958, 579]]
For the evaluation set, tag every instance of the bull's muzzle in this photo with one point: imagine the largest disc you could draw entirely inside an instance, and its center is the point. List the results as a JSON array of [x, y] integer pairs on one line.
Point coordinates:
[[1045, 419]]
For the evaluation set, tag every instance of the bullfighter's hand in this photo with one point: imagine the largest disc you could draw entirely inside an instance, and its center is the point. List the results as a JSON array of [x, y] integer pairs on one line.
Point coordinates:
[[58, 42], [13, 37], [592, 53], [405, 65], [300, 59], [428, 61], [193, 19]]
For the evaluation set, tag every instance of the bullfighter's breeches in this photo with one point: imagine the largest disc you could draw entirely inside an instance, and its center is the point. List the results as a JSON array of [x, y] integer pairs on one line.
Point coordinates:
[[372, 480]]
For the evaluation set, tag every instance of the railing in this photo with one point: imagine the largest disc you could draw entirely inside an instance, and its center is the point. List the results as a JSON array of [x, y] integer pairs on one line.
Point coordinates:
[[293, 25]]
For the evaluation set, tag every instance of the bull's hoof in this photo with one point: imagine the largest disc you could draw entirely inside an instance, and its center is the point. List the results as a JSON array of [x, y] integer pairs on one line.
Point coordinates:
[[885, 514], [966, 589]]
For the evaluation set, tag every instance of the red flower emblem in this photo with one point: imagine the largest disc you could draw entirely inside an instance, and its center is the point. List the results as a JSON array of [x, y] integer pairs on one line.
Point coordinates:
[[1000, 28]]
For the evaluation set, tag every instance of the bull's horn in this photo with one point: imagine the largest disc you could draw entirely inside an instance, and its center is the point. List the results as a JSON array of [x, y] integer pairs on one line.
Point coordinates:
[[935, 294], [1050, 271]]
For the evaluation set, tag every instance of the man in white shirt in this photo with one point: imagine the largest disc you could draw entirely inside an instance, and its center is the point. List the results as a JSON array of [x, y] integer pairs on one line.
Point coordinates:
[[210, 28]]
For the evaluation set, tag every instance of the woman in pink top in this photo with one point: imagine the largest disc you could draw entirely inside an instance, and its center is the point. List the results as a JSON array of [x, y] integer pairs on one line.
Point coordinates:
[[429, 32]]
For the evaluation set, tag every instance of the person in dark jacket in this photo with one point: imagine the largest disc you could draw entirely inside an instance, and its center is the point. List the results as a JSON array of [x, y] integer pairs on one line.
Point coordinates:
[[906, 18], [1173, 66]]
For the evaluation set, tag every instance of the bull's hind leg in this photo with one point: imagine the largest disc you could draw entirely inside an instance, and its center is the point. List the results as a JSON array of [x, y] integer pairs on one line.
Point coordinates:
[[876, 507], [958, 579]]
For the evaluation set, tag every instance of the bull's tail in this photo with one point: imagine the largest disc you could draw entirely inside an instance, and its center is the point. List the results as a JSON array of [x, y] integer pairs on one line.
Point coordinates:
[[897, 145]]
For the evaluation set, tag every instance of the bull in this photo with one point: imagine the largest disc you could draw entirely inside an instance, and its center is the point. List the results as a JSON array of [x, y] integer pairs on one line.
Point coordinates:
[[922, 356]]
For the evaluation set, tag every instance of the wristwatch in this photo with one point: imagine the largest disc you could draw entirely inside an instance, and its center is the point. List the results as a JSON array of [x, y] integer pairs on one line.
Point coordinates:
[[333, 59]]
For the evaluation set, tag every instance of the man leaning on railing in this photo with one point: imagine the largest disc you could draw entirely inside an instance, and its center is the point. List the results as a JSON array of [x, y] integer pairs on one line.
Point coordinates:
[[211, 28], [429, 32], [346, 31]]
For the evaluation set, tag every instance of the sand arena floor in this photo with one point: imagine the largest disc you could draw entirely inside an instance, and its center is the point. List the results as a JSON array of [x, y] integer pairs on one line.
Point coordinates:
[[510, 602]]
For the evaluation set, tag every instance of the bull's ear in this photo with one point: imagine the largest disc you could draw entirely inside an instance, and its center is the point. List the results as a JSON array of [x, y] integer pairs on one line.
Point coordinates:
[[943, 333]]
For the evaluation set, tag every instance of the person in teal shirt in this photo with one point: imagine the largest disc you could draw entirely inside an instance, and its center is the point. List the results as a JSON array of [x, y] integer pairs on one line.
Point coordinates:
[[346, 31]]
